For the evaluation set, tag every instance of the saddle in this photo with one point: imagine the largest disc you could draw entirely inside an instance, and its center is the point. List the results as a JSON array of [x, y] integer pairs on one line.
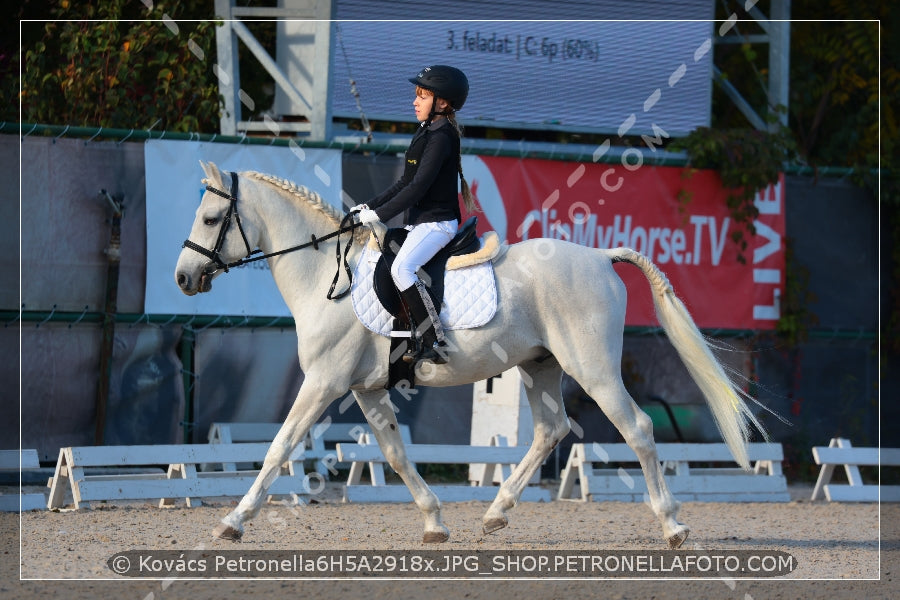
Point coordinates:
[[432, 273]]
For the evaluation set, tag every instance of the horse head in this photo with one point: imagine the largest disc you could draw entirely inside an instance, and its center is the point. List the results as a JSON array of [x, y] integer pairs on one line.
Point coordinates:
[[218, 237]]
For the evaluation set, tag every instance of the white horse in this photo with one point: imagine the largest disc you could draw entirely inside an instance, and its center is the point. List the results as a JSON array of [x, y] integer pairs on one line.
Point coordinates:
[[561, 307]]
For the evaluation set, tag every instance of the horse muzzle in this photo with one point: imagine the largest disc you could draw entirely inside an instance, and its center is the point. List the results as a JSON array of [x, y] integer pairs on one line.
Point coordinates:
[[187, 283]]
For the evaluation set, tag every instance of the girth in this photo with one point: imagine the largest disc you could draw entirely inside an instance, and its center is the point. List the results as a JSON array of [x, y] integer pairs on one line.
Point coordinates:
[[432, 274]]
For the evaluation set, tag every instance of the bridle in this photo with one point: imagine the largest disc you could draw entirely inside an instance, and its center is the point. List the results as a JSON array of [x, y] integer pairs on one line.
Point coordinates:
[[213, 255], [216, 263]]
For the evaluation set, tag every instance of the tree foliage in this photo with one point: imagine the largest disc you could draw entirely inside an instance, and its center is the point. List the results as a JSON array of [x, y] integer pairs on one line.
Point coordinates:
[[835, 84], [833, 110], [747, 161], [121, 64], [836, 92]]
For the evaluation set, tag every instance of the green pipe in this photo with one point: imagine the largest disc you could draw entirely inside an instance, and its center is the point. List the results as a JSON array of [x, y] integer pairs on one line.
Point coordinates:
[[120, 135], [196, 321], [200, 322]]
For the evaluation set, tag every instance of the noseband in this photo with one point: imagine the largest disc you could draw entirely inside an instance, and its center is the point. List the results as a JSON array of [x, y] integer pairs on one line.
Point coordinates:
[[217, 264], [213, 255]]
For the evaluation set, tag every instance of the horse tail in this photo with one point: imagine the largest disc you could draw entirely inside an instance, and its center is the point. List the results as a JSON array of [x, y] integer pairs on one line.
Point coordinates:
[[724, 397]]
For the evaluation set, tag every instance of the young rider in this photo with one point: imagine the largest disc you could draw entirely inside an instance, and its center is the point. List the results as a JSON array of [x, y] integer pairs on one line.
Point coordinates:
[[427, 191]]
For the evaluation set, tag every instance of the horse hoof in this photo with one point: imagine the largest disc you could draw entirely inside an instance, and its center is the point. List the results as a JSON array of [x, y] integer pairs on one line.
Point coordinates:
[[495, 524], [676, 540], [435, 537], [227, 532]]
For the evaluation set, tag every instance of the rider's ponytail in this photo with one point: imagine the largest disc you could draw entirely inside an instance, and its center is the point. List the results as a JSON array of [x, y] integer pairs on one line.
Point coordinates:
[[468, 200]]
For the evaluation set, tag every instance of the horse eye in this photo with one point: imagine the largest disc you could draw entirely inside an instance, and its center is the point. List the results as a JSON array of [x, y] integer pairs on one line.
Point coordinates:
[[210, 221]]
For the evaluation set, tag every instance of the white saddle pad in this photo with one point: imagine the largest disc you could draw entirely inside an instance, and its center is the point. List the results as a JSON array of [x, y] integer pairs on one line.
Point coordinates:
[[470, 296]]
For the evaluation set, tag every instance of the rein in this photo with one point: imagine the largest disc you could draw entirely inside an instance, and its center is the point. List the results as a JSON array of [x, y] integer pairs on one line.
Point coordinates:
[[347, 224]]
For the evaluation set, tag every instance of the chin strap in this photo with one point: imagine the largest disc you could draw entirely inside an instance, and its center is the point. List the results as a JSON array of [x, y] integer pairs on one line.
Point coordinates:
[[433, 113]]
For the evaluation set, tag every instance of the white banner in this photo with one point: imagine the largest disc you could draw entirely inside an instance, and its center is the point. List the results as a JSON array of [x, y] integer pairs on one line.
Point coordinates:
[[174, 190]]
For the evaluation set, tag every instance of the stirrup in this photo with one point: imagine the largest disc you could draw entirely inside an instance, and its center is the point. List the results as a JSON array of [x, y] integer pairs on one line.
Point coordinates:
[[441, 352], [417, 351]]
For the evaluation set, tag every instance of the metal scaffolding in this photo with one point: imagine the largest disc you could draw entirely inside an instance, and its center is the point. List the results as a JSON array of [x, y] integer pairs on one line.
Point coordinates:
[[301, 73], [777, 35]]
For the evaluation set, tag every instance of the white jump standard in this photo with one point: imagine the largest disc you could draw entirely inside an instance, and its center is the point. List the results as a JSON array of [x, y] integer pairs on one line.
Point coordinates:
[[561, 307]]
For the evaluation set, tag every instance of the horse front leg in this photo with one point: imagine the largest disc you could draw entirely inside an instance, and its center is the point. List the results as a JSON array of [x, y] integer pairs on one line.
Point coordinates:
[[379, 412], [311, 401], [542, 385]]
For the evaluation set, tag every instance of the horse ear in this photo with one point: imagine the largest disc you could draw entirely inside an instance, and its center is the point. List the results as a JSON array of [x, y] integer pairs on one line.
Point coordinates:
[[213, 175]]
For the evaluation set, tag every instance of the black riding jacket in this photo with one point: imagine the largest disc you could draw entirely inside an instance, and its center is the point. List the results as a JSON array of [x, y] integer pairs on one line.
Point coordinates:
[[428, 186]]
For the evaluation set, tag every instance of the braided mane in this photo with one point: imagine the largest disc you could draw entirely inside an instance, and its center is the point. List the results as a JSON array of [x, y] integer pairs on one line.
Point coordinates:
[[313, 199]]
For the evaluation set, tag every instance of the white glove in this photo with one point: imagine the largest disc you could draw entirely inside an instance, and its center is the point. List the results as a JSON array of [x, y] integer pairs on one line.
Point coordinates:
[[367, 216], [359, 207]]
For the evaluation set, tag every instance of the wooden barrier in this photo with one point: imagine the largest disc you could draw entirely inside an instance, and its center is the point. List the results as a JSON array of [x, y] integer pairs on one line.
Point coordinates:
[[180, 480], [497, 455], [15, 461], [703, 484], [840, 452], [318, 444]]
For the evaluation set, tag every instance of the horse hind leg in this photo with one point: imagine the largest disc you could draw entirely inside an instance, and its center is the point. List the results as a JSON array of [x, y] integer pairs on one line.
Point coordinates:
[[383, 421], [542, 386], [637, 430]]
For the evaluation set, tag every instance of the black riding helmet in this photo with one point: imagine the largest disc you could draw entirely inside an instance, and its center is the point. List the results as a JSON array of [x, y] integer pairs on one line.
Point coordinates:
[[445, 82]]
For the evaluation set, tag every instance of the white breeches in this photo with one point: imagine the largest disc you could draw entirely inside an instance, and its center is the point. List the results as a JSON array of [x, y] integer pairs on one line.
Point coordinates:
[[422, 243]]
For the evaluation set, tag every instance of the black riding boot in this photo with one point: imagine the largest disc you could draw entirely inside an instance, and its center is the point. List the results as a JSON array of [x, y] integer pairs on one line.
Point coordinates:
[[427, 321]]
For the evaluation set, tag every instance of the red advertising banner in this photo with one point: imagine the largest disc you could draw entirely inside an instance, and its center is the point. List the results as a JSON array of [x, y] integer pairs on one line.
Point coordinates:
[[639, 206]]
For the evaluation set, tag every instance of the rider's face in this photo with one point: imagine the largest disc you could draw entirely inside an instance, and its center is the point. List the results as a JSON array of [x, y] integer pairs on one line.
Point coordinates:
[[422, 104]]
